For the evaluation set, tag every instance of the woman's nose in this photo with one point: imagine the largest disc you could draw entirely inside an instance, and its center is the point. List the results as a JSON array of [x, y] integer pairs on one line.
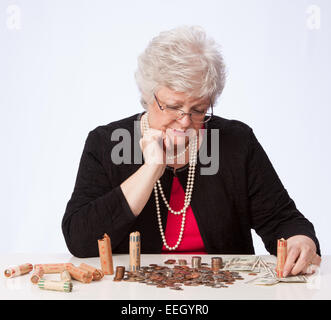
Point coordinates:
[[185, 121]]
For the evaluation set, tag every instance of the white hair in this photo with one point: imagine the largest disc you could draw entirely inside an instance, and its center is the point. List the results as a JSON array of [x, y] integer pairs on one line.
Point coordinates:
[[184, 60]]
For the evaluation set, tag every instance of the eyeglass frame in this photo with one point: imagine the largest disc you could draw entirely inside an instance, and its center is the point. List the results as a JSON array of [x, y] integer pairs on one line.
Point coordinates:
[[185, 113]]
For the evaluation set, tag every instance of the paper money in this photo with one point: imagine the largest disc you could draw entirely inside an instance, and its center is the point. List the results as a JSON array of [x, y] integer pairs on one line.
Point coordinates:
[[266, 279], [269, 275], [246, 263]]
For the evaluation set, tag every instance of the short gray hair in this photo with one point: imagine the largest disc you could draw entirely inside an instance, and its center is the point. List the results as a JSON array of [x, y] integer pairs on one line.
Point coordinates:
[[182, 59]]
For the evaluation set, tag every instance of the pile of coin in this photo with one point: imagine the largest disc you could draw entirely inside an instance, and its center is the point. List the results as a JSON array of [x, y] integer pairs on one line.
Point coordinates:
[[182, 275]]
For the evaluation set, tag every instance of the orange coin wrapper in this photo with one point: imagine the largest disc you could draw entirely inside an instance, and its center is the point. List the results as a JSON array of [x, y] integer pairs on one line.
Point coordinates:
[[106, 258], [15, 271], [134, 251], [52, 267], [96, 273], [281, 256], [80, 274], [37, 275]]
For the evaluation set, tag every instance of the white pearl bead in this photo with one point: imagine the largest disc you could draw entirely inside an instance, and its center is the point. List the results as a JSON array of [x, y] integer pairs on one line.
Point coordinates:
[[192, 147]]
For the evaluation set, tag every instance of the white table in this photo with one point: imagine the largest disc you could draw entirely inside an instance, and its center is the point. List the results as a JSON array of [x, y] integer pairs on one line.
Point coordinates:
[[19, 288]]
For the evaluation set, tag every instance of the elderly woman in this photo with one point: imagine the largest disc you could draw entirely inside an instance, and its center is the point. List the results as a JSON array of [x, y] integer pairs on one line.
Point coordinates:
[[175, 205]]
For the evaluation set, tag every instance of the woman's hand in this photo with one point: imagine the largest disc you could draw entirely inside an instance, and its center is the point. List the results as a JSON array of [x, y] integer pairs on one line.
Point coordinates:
[[301, 254], [151, 145], [138, 187]]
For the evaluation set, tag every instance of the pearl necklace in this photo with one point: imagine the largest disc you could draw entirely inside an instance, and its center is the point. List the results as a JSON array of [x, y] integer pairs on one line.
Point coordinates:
[[178, 155], [188, 192]]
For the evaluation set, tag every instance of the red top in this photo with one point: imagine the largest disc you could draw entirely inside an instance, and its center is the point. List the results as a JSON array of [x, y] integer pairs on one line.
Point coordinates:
[[191, 239]]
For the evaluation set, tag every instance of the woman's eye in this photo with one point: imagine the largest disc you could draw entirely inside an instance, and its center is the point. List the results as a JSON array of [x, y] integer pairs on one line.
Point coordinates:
[[198, 111]]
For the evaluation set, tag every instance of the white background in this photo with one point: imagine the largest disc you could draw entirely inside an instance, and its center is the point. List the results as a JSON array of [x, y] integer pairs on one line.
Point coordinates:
[[67, 67]]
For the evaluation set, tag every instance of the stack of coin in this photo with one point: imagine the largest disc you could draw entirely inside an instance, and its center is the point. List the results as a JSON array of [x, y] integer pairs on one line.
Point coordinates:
[[196, 262], [182, 262], [119, 274], [216, 263]]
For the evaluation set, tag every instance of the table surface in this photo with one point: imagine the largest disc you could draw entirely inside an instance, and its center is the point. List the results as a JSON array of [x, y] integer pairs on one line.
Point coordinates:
[[317, 287]]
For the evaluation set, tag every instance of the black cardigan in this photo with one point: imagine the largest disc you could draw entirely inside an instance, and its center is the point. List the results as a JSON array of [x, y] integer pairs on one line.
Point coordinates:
[[246, 193]]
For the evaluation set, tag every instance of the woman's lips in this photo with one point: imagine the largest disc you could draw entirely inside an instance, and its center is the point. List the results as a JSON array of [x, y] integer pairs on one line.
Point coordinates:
[[178, 132]]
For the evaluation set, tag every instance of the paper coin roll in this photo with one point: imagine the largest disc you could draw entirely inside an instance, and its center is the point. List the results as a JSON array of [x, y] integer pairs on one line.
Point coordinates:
[[64, 286], [106, 258], [281, 256], [96, 273], [65, 276], [134, 251], [37, 275], [18, 270], [53, 267], [80, 274]]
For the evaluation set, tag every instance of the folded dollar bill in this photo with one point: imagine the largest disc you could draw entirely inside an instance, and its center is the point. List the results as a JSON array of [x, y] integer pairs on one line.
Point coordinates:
[[271, 279], [246, 263]]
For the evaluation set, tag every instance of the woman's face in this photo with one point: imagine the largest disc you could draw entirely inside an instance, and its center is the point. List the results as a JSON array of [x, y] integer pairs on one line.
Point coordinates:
[[176, 130]]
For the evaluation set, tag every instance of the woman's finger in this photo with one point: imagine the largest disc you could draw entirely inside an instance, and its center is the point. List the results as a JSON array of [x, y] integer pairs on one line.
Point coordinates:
[[303, 262], [151, 145], [316, 260], [292, 256]]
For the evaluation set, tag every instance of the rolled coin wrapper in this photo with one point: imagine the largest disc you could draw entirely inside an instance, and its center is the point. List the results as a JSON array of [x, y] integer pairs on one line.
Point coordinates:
[[53, 267], [65, 276], [106, 258], [96, 273], [281, 256], [64, 286], [119, 274], [80, 274], [134, 251], [15, 271], [196, 262], [37, 275], [216, 263]]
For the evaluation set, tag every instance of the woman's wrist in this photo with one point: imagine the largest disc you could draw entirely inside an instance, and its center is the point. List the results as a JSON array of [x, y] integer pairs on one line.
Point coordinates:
[[155, 170]]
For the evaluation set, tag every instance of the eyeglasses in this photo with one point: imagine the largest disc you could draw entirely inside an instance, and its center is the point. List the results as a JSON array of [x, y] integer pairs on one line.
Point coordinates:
[[176, 114]]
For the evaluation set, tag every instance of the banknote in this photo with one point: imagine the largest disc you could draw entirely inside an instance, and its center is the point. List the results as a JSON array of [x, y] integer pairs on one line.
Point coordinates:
[[246, 263], [266, 279], [269, 275]]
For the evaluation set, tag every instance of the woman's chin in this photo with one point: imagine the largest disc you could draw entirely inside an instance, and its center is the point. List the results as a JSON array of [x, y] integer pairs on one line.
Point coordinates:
[[177, 140], [178, 144]]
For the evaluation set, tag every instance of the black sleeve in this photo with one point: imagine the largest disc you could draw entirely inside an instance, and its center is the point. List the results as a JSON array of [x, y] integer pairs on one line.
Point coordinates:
[[273, 213], [95, 206]]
